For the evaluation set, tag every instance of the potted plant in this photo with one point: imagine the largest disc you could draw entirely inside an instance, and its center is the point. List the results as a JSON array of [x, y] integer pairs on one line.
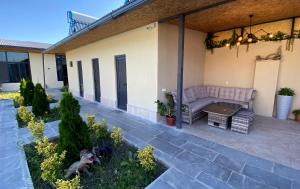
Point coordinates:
[[297, 115], [167, 109], [284, 102]]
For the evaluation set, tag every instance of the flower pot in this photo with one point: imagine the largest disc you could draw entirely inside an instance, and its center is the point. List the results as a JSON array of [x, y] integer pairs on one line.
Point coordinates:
[[297, 118], [283, 106], [170, 120]]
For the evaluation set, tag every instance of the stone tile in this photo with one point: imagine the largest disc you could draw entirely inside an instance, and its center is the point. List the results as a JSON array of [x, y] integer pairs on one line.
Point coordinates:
[[242, 182], [172, 176], [296, 184], [199, 141], [142, 134], [191, 169], [164, 146], [266, 177], [134, 141], [287, 172], [235, 165], [176, 139], [189, 157], [260, 163], [159, 184], [202, 152], [213, 182], [229, 152], [218, 171]]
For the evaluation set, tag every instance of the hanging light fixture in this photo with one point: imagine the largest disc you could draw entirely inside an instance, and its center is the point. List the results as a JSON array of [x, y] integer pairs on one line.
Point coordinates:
[[250, 35]]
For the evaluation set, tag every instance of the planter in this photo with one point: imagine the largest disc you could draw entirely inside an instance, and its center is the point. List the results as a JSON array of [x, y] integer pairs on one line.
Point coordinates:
[[283, 106], [297, 118], [171, 120]]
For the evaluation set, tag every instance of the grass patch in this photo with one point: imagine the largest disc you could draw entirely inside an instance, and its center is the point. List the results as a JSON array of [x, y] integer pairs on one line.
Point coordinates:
[[53, 115], [120, 171], [8, 95]]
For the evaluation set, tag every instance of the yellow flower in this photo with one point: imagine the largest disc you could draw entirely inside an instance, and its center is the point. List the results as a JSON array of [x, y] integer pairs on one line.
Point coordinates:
[[117, 136], [68, 184], [146, 158]]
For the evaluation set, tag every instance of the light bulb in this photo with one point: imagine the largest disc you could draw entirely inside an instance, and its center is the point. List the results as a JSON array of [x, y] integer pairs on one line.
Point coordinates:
[[227, 44], [250, 40], [238, 44], [270, 35], [240, 38]]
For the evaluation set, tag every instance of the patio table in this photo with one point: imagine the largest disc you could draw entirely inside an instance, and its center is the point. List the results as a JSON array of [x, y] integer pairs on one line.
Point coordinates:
[[220, 113]]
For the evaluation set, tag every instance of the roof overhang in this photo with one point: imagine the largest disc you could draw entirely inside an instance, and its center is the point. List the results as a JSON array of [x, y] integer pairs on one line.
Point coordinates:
[[20, 49], [202, 15]]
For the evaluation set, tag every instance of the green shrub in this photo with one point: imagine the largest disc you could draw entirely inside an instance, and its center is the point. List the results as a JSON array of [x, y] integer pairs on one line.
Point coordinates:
[[146, 158], [90, 120], [73, 131], [69, 184], [22, 87], [99, 131], [45, 148], [64, 89], [36, 128], [117, 136], [40, 103], [296, 112], [28, 93], [19, 101], [286, 92], [25, 115]]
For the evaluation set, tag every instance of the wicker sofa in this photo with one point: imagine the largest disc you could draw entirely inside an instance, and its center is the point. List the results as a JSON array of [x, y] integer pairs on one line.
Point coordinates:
[[197, 97]]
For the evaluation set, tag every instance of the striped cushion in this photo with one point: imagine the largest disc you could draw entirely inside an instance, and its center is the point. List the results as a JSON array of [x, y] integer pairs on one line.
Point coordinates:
[[212, 91], [189, 95], [200, 92], [243, 94], [226, 93]]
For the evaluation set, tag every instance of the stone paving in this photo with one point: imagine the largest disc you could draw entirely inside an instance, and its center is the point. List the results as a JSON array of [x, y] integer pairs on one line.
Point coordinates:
[[193, 162]]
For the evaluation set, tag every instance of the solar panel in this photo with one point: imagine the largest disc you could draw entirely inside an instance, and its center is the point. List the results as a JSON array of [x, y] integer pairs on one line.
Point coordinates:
[[78, 21]]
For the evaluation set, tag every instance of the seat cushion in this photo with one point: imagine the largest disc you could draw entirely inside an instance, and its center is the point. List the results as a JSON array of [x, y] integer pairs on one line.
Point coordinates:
[[212, 91], [243, 94], [243, 104], [200, 103], [226, 93], [189, 95]]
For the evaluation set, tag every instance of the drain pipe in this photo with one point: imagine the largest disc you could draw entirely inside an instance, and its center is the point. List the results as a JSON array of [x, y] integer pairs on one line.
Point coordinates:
[[43, 57]]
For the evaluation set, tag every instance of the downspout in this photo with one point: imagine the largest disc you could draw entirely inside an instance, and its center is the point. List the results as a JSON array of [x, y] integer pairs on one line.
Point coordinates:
[[44, 77]]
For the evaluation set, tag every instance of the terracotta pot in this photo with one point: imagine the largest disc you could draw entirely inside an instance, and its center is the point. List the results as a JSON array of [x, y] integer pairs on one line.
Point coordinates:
[[171, 120], [297, 118]]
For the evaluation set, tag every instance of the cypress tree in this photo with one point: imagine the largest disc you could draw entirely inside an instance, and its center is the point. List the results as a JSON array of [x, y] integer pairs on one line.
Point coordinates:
[[28, 93], [40, 103], [73, 131], [22, 87]]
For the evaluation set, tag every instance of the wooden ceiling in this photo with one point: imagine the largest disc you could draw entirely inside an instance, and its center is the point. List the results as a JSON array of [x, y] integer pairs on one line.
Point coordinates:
[[229, 14]]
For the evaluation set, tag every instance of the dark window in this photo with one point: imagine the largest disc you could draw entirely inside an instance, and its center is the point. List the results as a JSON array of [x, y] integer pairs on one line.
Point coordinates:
[[14, 66], [60, 62]]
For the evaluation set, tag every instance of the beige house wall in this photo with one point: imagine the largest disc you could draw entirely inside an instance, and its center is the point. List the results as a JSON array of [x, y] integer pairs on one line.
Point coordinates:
[[224, 68], [194, 58], [140, 47], [36, 68]]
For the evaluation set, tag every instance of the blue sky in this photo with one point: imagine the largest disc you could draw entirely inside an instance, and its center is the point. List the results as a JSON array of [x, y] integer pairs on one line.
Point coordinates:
[[46, 20]]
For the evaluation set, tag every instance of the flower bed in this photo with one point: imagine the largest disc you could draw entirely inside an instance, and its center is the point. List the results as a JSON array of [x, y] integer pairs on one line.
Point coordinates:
[[122, 170]]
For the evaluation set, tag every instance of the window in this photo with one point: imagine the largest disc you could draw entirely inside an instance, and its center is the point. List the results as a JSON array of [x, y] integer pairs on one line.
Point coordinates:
[[14, 66], [60, 62]]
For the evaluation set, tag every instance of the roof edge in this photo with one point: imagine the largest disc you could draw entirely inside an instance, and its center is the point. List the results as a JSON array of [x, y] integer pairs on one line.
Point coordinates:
[[107, 18]]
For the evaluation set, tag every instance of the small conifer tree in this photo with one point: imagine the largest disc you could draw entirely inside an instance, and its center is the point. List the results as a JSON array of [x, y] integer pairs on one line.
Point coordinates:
[[40, 103], [22, 87], [73, 131], [28, 93]]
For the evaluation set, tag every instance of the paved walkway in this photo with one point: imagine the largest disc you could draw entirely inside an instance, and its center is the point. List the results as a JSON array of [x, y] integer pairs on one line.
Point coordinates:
[[193, 162]]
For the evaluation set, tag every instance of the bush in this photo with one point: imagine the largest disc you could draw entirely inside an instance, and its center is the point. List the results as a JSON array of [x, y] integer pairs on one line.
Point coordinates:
[[36, 128], [117, 136], [146, 158], [40, 103], [99, 131], [69, 184], [90, 120], [28, 93], [52, 167], [286, 92], [45, 148], [18, 101], [25, 115], [73, 132], [22, 87]]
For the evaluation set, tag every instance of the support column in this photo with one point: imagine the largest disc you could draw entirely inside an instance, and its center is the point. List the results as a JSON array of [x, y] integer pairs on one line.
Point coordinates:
[[180, 71]]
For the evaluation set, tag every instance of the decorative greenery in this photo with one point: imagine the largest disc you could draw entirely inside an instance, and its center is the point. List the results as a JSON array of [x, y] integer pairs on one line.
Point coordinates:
[[28, 93], [296, 112], [286, 92], [24, 115], [40, 103], [117, 136], [146, 158], [22, 87], [51, 99], [45, 148], [161, 108], [166, 109], [18, 101], [64, 89], [52, 167], [90, 120], [68, 184], [8, 95], [73, 132], [36, 128]]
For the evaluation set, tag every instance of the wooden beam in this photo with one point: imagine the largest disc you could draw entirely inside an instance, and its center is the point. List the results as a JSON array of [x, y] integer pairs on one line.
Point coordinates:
[[180, 71]]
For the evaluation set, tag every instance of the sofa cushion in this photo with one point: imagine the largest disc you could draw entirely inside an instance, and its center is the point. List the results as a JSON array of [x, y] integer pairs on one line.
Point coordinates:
[[200, 92], [226, 93], [243, 104], [243, 94], [212, 91], [189, 95], [200, 103]]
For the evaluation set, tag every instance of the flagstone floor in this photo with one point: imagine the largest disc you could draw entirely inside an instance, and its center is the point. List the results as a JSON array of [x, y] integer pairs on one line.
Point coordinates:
[[193, 161]]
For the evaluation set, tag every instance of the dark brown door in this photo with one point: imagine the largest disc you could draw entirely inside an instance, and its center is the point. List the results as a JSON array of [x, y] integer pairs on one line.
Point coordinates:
[[121, 81], [96, 74], [80, 78]]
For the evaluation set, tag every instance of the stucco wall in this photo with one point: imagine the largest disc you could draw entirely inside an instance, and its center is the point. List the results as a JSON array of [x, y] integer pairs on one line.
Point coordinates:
[[194, 57], [36, 68], [140, 47], [223, 67]]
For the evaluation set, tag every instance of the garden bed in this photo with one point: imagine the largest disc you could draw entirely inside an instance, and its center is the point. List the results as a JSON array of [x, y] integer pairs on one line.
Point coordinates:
[[53, 115], [120, 171]]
